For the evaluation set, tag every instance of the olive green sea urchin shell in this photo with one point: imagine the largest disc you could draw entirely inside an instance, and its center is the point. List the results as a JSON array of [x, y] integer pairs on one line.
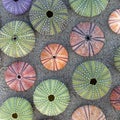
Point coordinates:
[[88, 8], [51, 97], [16, 108], [17, 39], [48, 17], [117, 59], [91, 80]]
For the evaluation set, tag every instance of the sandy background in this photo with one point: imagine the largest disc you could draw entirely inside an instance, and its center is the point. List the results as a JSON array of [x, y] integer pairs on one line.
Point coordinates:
[[65, 75]]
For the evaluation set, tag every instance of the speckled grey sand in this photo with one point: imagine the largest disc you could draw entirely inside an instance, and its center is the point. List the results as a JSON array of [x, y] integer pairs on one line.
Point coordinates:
[[65, 75]]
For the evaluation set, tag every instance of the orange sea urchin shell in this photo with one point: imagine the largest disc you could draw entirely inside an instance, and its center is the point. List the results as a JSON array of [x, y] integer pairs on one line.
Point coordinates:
[[114, 21], [87, 39], [88, 112], [54, 57], [20, 76]]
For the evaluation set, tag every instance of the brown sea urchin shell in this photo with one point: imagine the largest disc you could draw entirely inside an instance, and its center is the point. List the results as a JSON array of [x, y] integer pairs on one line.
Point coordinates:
[[87, 39], [88, 112], [115, 98], [54, 57], [20, 76]]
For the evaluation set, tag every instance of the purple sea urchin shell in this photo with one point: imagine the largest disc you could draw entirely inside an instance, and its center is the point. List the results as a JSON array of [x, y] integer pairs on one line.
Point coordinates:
[[17, 7]]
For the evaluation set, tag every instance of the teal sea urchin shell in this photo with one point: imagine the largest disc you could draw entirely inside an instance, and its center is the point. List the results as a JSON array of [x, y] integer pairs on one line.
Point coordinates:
[[17, 39], [88, 8], [48, 17], [91, 80], [16, 108], [51, 97]]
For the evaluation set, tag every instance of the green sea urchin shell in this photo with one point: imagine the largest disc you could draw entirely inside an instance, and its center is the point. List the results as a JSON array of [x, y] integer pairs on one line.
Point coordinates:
[[91, 80], [48, 17], [17, 39], [88, 8], [51, 97], [117, 59], [16, 108]]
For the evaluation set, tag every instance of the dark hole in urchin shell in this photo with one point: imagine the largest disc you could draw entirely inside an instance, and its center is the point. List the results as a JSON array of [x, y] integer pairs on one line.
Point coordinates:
[[15, 0], [93, 81], [19, 76], [15, 115], [49, 14], [15, 37], [88, 37], [54, 57], [51, 98]]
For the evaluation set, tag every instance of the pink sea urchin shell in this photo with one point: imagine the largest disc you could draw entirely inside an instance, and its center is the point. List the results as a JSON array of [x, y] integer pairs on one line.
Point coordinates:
[[88, 112], [20, 76], [115, 97], [114, 21], [87, 39], [17, 7]]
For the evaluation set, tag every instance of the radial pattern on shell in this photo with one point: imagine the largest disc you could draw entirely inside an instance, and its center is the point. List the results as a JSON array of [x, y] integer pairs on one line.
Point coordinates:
[[88, 112], [48, 17], [54, 57], [88, 8], [16, 108], [51, 97], [114, 21], [17, 7], [87, 39], [91, 80], [117, 58], [115, 97], [20, 76], [17, 39]]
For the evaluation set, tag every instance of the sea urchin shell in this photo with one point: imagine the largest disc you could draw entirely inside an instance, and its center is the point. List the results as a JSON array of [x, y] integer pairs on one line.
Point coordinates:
[[114, 21], [51, 97], [88, 8], [48, 17], [117, 58], [17, 7], [54, 57], [17, 39], [115, 98], [88, 112], [20, 76], [91, 80], [16, 108], [87, 39]]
